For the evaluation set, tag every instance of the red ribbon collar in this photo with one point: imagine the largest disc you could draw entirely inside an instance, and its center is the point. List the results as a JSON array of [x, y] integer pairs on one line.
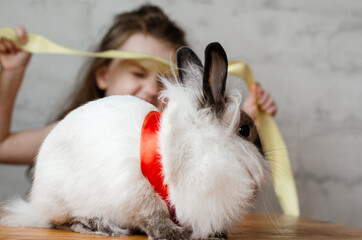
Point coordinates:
[[151, 165]]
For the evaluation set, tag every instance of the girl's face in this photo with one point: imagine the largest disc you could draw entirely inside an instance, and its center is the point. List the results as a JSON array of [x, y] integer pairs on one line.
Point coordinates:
[[126, 77]]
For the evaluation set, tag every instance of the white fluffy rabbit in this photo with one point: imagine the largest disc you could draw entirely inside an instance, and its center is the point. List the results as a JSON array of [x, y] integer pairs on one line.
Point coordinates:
[[88, 177]]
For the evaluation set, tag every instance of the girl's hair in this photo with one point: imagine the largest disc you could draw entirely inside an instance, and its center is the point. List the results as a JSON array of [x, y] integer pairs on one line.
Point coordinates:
[[147, 19]]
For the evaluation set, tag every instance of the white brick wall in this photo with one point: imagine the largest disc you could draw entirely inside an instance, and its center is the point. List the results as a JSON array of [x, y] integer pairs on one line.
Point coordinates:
[[308, 54]]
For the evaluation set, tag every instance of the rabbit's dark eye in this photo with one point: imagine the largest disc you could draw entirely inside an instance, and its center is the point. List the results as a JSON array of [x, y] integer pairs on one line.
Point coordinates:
[[244, 130]]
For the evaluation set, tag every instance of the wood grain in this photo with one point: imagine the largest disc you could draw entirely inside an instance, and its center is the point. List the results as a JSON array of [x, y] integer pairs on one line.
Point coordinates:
[[253, 226]]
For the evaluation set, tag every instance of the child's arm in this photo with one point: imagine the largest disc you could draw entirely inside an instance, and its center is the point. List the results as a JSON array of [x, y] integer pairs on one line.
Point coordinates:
[[21, 147], [264, 100]]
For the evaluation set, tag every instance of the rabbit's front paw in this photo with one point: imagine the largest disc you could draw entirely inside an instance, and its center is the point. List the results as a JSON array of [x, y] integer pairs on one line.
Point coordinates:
[[158, 228], [173, 232], [218, 235]]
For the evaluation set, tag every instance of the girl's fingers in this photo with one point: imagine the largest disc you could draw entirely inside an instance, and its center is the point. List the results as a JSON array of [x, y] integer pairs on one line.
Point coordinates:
[[21, 34], [268, 103], [263, 97], [269, 106], [8, 46], [2, 48], [272, 110], [265, 101]]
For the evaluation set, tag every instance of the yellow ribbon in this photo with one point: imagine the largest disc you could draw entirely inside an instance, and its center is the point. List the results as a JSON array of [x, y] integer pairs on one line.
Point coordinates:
[[39, 44], [270, 136], [273, 143]]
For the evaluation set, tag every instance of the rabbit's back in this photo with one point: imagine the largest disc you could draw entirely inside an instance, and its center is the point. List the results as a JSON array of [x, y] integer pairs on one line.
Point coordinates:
[[89, 164]]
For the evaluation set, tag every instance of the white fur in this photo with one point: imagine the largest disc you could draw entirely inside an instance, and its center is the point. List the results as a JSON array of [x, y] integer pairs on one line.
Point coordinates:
[[89, 165], [20, 213], [205, 163]]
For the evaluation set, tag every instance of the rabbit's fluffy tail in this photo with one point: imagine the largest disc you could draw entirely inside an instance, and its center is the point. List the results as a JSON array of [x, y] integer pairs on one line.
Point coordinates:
[[19, 213]]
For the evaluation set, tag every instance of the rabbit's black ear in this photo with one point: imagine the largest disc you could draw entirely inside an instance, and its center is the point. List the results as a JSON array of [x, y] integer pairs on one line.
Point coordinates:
[[215, 73], [189, 65]]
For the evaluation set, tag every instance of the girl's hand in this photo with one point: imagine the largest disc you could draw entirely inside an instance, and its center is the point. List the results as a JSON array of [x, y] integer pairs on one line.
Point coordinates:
[[258, 96], [12, 58]]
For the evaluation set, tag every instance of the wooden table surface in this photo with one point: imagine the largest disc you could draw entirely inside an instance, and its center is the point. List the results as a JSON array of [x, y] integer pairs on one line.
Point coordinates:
[[254, 226]]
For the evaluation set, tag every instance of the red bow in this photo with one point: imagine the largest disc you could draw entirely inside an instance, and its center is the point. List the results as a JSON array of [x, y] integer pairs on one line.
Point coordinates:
[[151, 165]]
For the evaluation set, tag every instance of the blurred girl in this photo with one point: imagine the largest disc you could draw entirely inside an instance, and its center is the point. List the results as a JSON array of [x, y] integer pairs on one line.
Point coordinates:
[[146, 30]]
